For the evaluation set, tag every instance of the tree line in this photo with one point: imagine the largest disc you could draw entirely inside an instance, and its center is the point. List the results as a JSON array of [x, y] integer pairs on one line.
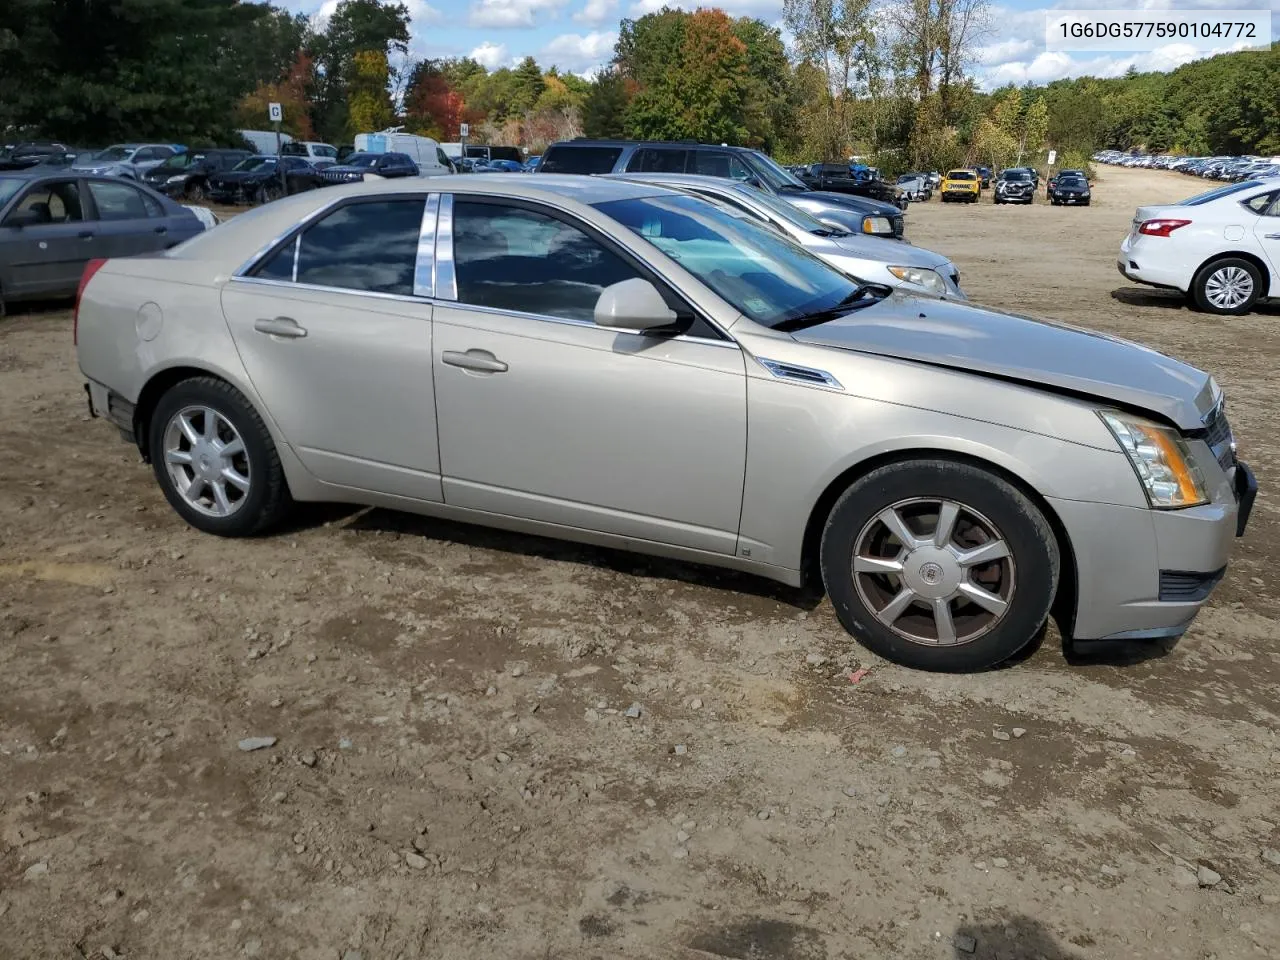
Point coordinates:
[[892, 80]]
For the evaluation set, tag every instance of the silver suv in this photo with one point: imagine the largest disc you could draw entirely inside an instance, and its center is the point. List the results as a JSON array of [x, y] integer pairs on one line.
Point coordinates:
[[130, 160]]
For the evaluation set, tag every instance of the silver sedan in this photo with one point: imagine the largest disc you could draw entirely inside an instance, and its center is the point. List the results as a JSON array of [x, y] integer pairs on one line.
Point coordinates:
[[873, 259], [625, 365]]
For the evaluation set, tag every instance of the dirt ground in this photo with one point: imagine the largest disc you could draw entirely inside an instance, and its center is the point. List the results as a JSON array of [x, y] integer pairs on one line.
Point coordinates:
[[455, 773]]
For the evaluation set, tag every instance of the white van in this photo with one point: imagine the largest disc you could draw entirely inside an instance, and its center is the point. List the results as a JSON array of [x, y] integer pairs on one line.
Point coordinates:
[[424, 151], [264, 141], [318, 154]]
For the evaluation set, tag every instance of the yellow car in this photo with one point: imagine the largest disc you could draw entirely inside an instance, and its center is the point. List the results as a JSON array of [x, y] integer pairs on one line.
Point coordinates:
[[961, 185]]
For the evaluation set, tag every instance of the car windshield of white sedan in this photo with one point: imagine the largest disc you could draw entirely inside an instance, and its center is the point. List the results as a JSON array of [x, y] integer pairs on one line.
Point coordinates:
[[1212, 195], [758, 272]]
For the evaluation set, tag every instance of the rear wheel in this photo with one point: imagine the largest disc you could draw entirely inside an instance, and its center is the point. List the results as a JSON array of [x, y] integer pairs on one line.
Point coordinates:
[[939, 565], [215, 460], [1230, 286], [195, 192]]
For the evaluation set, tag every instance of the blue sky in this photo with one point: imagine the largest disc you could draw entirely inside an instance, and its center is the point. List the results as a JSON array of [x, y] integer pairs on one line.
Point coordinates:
[[578, 35]]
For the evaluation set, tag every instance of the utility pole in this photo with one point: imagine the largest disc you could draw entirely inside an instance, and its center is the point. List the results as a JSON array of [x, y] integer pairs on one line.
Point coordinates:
[[276, 113]]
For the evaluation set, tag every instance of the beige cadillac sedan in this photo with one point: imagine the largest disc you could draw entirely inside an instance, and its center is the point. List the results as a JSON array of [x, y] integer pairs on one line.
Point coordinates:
[[620, 364]]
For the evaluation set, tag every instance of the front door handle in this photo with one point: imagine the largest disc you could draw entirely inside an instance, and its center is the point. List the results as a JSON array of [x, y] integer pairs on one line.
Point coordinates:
[[162, 229], [280, 327], [86, 234], [481, 361], [1273, 236]]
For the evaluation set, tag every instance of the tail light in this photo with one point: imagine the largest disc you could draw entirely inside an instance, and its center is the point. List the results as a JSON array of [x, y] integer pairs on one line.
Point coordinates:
[[1161, 228], [90, 268]]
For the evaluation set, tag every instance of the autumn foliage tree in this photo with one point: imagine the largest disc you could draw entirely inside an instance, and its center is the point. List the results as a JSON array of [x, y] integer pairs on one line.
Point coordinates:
[[293, 93]]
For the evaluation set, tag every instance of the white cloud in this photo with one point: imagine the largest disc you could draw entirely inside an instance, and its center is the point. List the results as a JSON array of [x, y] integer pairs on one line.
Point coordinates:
[[489, 55], [511, 13], [597, 11], [1047, 67], [580, 53], [1005, 51], [421, 12]]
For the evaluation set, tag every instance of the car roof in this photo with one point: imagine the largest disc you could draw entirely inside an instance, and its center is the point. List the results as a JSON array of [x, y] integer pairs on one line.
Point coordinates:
[[235, 241], [674, 144]]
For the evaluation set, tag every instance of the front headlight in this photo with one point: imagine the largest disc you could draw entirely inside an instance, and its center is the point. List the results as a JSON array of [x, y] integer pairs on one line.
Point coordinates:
[[931, 280], [876, 225], [1161, 459], [177, 179]]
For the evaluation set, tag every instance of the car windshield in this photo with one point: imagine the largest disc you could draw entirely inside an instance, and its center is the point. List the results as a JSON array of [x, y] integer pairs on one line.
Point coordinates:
[[361, 160], [789, 212], [8, 187], [178, 161], [961, 175], [1070, 181], [116, 154], [767, 169], [1019, 175], [1212, 195], [758, 272], [256, 163]]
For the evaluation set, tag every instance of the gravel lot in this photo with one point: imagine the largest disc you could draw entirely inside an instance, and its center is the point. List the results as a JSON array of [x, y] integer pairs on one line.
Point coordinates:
[[458, 769]]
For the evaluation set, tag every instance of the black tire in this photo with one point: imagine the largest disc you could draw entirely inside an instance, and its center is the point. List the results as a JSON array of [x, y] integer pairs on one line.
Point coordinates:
[[195, 192], [1200, 293], [1033, 570], [267, 501]]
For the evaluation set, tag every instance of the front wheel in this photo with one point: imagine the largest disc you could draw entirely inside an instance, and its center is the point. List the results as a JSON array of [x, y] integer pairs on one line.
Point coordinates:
[[215, 459], [939, 565], [1228, 287]]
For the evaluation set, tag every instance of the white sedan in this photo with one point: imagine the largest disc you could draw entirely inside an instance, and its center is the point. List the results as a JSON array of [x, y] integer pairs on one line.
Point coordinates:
[[1222, 248]]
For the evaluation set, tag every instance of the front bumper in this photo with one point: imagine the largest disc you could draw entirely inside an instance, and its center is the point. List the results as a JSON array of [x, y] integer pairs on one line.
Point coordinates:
[[1146, 574], [954, 194], [1069, 197]]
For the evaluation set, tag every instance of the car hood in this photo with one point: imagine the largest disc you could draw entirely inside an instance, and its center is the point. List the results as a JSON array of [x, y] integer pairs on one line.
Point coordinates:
[[896, 252], [1037, 352], [860, 203]]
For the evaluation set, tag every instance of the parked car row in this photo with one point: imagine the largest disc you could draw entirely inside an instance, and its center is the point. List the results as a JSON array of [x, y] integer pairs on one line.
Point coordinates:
[[674, 363], [1229, 169]]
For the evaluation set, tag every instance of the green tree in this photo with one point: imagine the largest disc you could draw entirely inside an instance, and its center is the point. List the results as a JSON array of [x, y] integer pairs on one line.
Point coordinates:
[[356, 26], [368, 100], [691, 76], [527, 85], [97, 72], [604, 110]]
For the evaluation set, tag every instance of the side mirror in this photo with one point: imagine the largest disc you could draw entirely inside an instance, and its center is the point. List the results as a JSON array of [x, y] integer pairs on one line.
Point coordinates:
[[633, 304]]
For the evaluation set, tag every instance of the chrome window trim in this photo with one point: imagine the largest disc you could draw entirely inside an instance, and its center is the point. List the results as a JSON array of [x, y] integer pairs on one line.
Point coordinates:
[[289, 285], [779, 369], [546, 318], [445, 277], [279, 238], [424, 267], [297, 249]]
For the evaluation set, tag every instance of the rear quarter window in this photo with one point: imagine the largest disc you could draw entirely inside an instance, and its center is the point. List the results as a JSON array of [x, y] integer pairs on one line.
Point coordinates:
[[579, 159]]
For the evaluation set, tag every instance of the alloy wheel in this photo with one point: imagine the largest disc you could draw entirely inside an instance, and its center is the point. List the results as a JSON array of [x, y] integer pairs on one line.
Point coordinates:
[[206, 459], [1228, 288], [934, 571]]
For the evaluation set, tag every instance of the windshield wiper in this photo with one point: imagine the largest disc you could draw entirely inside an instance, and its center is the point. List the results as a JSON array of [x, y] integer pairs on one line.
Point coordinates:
[[792, 188], [830, 233], [863, 295]]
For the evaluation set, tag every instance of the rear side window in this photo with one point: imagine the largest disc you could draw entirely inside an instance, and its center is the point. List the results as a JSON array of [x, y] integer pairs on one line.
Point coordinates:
[[119, 201], [49, 203], [567, 158], [364, 247], [658, 160], [505, 153]]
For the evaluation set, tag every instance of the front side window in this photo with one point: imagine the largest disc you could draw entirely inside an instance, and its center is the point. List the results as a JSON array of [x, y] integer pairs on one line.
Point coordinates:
[[47, 203], [512, 258], [119, 201], [759, 273], [363, 247], [713, 163]]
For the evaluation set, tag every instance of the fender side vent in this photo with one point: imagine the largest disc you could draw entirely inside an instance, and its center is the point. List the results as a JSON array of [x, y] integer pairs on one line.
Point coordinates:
[[799, 374]]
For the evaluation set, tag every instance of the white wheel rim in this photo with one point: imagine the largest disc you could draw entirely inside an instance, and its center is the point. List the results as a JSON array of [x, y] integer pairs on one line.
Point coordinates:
[[207, 462]]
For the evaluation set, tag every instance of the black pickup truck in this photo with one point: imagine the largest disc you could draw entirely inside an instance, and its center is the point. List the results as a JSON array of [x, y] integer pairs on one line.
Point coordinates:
[[837, 178]]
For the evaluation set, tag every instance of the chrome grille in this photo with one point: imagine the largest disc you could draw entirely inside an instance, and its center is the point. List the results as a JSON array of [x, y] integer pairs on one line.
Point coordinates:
[[1217, 433]]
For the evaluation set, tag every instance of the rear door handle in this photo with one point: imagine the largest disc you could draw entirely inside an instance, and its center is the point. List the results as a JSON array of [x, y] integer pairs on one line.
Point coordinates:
[[482, 361], [162, 229], [86, 234], [280, 327]]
